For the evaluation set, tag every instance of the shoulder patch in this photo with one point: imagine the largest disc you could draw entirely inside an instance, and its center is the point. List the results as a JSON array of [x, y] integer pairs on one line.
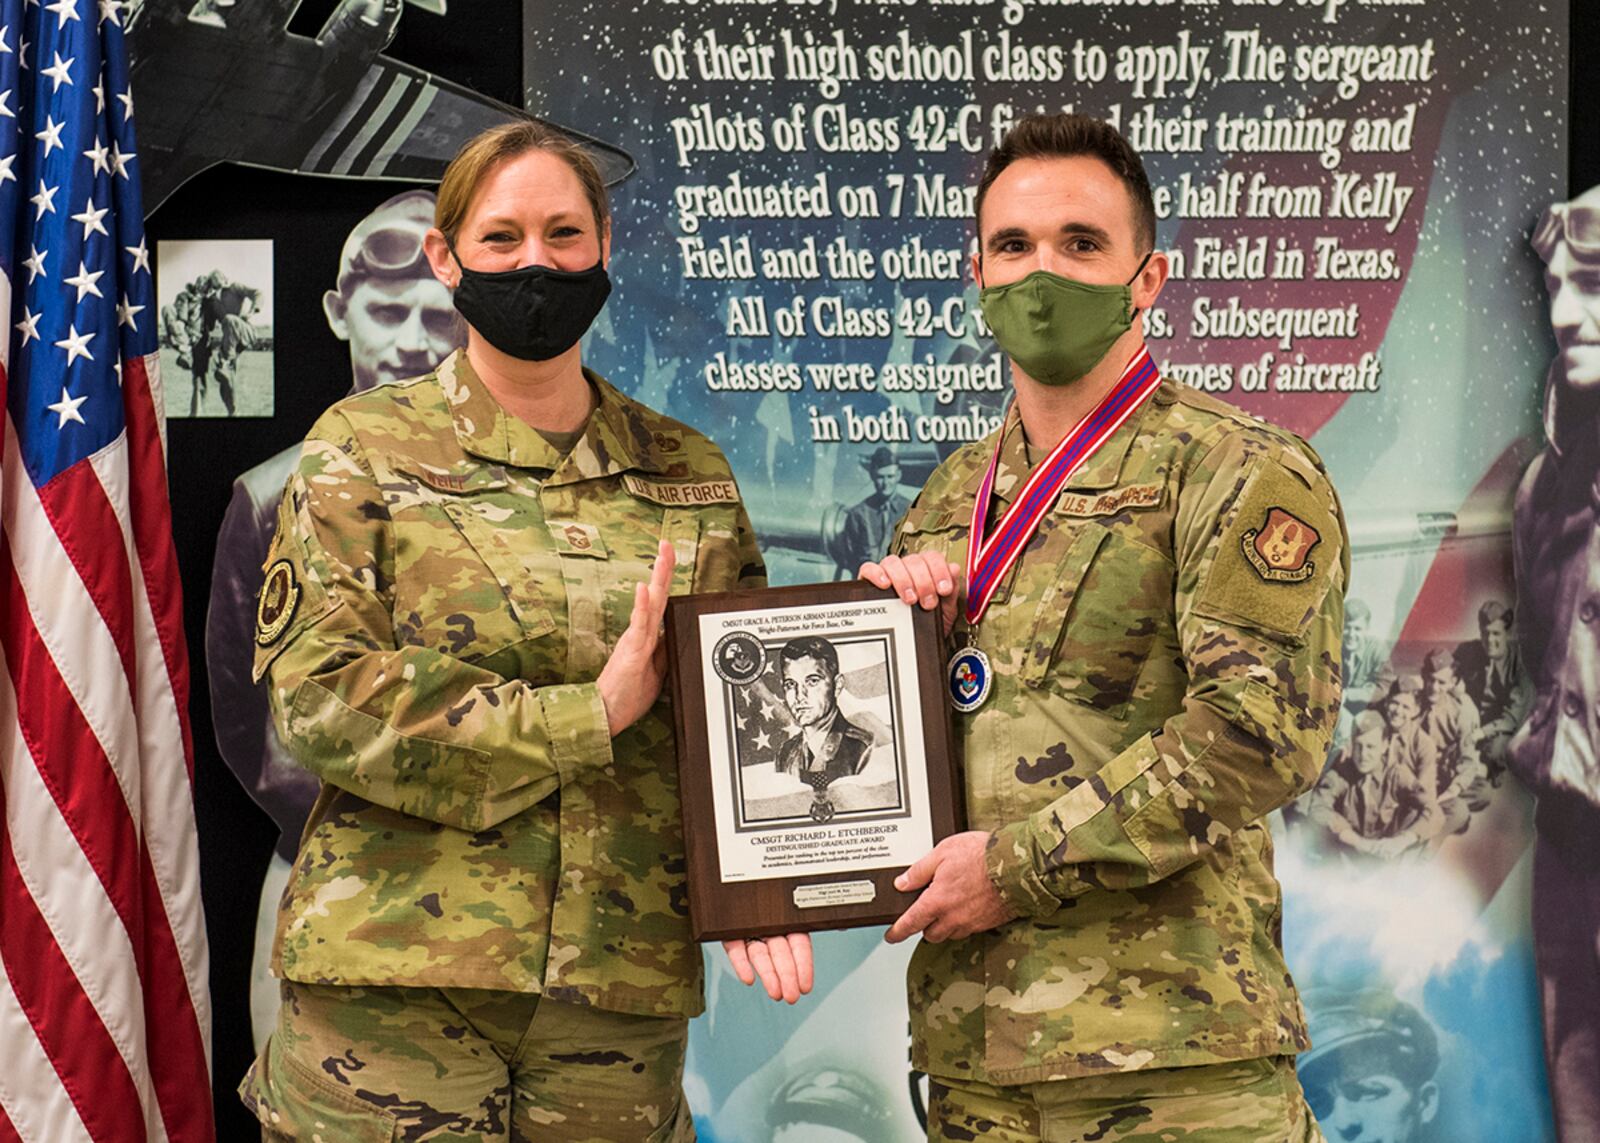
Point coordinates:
[[276, 605], [682, 493], [1276, 554], [1280, 549]]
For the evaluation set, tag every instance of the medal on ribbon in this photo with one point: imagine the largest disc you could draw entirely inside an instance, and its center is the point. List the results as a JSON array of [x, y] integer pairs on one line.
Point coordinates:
[[970, 678], [989, 558]]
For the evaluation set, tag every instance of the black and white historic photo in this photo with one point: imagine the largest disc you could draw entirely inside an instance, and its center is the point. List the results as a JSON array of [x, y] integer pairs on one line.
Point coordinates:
[[815, 737], [215, 324], [814, 734]]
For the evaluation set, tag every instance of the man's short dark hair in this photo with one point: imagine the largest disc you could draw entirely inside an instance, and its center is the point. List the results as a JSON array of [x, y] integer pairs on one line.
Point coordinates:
[[810, 647], [1064, 136], [1494, 612]]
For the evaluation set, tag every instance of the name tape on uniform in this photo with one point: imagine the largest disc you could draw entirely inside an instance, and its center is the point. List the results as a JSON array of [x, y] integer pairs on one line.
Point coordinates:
[[1109, 503], [683, 493]]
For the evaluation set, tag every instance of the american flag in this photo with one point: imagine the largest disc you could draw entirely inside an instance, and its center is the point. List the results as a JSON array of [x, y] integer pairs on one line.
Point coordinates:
[[104, 1017], [762, 721]]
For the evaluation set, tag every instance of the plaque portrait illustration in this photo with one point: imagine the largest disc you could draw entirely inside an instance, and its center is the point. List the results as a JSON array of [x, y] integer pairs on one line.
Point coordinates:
[[813, 734]]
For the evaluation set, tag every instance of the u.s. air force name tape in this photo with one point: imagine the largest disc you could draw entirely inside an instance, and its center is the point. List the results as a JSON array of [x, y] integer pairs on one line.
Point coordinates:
[[682, 493]]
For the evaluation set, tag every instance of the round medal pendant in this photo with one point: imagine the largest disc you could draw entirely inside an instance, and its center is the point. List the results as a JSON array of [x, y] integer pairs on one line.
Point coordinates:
[[970, 677]]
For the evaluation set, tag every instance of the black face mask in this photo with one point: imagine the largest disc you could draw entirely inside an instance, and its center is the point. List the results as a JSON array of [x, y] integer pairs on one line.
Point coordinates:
[[533, 312]]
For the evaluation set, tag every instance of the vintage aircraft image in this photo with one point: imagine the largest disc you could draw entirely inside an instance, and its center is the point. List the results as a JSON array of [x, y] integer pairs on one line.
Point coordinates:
[[226, 81]]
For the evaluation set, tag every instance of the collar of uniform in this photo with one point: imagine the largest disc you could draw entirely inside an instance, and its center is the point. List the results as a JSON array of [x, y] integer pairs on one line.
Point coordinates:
[[614, 440], [483, 428], [1102, 470], [621, 437]]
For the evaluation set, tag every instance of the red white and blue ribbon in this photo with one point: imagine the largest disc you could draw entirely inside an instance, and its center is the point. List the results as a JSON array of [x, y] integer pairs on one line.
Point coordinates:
[[989, 559]]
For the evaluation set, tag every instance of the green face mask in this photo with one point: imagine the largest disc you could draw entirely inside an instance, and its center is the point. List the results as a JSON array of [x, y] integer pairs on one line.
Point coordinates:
[[1055, 328]]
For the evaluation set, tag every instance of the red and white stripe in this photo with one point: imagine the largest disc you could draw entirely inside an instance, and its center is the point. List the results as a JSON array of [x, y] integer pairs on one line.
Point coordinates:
[[104, 1014]]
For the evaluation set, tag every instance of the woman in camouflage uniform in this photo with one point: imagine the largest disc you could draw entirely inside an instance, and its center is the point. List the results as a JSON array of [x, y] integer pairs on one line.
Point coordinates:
[[484, 934]]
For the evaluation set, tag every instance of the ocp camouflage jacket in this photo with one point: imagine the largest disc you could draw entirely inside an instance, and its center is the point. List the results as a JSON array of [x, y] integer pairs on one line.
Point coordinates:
[[443, 591], [1166, 673]]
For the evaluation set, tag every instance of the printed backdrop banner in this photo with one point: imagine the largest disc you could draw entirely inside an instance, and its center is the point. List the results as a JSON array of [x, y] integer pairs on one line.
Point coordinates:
[[1345, 188]]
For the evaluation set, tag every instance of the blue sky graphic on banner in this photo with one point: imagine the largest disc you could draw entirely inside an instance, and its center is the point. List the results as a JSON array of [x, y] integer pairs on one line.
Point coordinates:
[[1347, 190]]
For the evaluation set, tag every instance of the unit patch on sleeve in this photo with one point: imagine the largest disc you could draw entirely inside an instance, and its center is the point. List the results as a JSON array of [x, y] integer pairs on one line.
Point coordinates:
[[1280, 549], [275, 606]]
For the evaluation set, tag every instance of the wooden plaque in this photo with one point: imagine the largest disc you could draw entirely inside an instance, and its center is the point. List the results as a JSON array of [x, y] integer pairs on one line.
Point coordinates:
[[814, 754]]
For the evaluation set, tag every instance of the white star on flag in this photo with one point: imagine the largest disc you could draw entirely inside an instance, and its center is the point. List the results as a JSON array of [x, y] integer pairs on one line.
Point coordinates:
[[97, 154], [65, 10], [127, 104], [44, 200], [51, 135], [119, 160], [99, 90], [141, 257], [76, 344], [67, 407], [6, 174], [5, 48], [90, 218], [35, 264], [29, 325], [85, 282], [111, 10], [762, 740], [125, 313], [4, 110], [60, 72]]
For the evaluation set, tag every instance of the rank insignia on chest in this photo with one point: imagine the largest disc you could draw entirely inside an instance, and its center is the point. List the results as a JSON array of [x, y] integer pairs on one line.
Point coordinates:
[[275, 607], [970, 679], [1280, 548]]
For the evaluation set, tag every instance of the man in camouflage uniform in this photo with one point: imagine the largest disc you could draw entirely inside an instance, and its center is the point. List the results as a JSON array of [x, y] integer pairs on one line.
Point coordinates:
[[1102, 955], [486, 866]]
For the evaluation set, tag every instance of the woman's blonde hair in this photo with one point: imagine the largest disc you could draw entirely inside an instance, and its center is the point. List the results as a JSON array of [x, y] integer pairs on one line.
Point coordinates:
[[483, 152]]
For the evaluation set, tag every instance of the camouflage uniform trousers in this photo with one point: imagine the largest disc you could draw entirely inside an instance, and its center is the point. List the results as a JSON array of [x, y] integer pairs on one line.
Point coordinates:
[[1251, 1101], [373, 1065]]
